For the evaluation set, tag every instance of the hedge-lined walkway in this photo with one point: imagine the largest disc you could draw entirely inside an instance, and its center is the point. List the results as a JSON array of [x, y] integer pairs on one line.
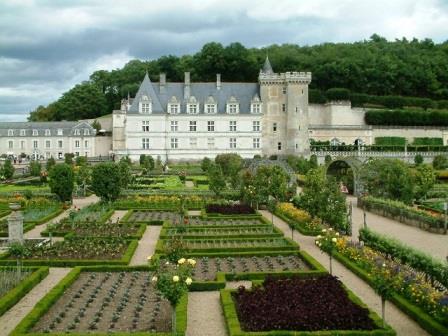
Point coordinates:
[[77, 202], [402, 324], [146, 245], [12, 317], [433, 244], [205, 315]]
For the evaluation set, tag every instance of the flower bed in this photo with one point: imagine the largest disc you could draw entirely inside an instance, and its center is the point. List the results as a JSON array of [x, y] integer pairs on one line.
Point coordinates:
[[413, 293], [403, 213], [95, 229], [229, 209], [78, 251], [236, 221], [151, 216], [228, 232], [298, 219], [207, 268], [289, 305], [104, 300], [159, 202], [98, 212]]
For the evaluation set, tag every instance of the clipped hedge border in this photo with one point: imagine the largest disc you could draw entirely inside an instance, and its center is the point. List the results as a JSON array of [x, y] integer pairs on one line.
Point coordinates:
[[234, 327], [417, 314], [50, 299], [125, 259], [128, 215], [15, 294], [47, 218], [66, 234], [297, 226]]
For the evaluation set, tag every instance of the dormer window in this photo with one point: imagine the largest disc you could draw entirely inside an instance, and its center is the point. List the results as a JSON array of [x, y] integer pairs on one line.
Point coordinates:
[[10, 132], [173, 106], [22, 132], [255, 108], [210, 106], [145, 105], [232, 106], [60, 131], [77, 132], [86, 131], [35, 132], [192, 106], [47, 132]]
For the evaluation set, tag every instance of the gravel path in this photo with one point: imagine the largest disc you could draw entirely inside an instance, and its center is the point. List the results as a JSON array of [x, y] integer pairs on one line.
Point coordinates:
[[189, 184], [117, 215], [146, 245], [434, 244], [78, 202], [12, 317], [205, 316], [402, 324]]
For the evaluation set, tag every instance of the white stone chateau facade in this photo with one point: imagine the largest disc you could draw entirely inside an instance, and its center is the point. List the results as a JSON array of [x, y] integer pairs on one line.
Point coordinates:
[[190, 121]]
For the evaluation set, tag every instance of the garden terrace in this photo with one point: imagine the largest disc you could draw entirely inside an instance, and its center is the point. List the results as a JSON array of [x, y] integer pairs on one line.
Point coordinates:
[[78, 251], [233, 245], [223, 232], [96, 229], [103, 300], [291, 305]]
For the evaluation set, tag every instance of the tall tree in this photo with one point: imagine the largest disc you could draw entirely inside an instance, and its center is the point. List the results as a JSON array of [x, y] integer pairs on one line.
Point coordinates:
[[62, 181]]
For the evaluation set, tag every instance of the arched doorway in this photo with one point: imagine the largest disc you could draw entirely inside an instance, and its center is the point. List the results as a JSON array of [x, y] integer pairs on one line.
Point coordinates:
[[346, 170]]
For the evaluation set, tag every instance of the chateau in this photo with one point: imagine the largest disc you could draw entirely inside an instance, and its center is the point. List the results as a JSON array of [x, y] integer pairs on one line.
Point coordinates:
[[190, 121]]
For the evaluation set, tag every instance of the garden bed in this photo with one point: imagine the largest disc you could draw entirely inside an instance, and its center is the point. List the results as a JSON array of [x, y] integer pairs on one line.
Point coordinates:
[[98, 212], [195, 232], [287, 306], [151, 216], [229, 209], [298, 219], [104, 300], [78, 251]]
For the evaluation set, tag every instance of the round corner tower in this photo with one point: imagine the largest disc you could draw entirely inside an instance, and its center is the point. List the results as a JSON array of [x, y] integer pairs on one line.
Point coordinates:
[[285, 111]]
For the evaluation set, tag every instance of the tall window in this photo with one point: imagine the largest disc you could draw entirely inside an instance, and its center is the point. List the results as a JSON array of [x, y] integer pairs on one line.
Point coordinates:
[[35, 144], [10, 144], [192, 125], [283, 107], [174, 125], [22, 144], [10, 132], [232, 125], [279, 146], [210, 126], [86, 131], [47, 132], [35, 132], [210, 108], [193, 108], [174, 143], [274, 127], [77, 132], [233, 108], [145, 143], [256, 108], [22, 132], [47, 143], [77, 144], [60, 143], [145, 125], [256, 142], [232, 143], [86, 143], [145, 107], [211, 142], [174, 108], [284, 90], [256, 125]]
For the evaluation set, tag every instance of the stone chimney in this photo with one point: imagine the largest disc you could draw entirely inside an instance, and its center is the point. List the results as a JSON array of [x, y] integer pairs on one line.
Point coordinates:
[[162, 82], [187, 86], [218, 81]]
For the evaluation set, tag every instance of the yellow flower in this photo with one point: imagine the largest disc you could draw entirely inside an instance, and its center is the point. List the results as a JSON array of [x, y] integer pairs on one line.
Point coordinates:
[[334, 240], [149, 257], [188, 281], [192, 262], [175, 278], [181, 261]]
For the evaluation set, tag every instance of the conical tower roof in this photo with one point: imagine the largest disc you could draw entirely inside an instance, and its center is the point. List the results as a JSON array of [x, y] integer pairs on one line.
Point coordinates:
[[267, 68]]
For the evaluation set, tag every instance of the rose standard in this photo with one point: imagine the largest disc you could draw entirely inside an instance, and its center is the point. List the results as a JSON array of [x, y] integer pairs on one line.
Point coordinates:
[[172, 281], [327, 243]]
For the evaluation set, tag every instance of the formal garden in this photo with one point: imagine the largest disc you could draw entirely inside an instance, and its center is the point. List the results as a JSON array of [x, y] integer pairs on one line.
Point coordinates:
[[134, 253]]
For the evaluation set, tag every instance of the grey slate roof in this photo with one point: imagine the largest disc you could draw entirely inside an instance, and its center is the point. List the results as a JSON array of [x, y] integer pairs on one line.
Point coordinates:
[[243, 92], [67, 127], [267, 67]]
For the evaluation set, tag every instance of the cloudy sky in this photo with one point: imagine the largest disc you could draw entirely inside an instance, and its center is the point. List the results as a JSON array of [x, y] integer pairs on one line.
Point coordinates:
[[48, 46]]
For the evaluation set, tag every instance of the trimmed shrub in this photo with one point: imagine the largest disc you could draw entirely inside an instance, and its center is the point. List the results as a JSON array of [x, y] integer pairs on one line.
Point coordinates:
[[337, 94]]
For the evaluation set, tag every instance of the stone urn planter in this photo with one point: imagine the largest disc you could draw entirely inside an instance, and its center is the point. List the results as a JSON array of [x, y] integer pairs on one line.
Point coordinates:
[[14, 206]]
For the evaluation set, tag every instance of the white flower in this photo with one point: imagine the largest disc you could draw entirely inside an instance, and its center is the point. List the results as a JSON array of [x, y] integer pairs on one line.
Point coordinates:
[[192, 262], [319, 237], [324, 230], [317, 242], [384, 265], [337, 234], [188, 281], [154, 279], [334, 240], [181, 261], [167, 263], [175, 278], [330, 229], [149, 257]]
